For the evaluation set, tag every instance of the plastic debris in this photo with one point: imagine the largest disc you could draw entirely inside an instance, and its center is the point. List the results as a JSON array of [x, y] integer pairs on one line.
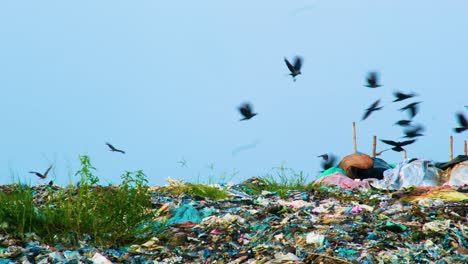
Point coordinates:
[[185, 213], [407, 174], [100, 259], [343, 181], [315, 238]]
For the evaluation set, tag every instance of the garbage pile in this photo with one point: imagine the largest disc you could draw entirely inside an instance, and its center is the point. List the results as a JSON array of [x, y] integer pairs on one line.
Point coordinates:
[[362, 171], [335, 221]]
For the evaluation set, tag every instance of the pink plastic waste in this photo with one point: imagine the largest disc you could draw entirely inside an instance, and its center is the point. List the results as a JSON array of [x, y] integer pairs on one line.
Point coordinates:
[[344, 181]]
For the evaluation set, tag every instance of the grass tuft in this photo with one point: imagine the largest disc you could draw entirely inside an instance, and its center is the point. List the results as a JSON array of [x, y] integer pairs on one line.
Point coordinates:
[[196, 190], [279, 180]]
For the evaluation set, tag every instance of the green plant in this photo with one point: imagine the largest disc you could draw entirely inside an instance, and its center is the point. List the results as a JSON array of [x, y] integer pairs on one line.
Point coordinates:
[[197, 190], [110, 216], [86, 172], [205, 191], [282, 179], [17, 211]]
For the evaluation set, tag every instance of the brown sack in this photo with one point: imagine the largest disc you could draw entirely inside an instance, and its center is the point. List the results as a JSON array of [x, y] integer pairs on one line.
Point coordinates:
[[361, 161]]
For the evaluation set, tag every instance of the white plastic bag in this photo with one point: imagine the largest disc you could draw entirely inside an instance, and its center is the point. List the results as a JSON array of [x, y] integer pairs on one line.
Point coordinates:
[[415, 173], [459, 174]]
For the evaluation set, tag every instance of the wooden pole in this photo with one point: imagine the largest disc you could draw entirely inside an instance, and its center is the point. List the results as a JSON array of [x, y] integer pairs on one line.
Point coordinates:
[[451, 147], [404, 154], [466, 148], [354, 137], [374, 147]]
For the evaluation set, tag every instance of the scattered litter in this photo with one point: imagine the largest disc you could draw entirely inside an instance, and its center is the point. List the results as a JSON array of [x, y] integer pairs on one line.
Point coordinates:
[[349, 221]]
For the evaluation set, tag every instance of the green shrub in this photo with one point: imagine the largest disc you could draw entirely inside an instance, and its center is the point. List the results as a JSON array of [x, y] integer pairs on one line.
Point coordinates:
[[111, 216]]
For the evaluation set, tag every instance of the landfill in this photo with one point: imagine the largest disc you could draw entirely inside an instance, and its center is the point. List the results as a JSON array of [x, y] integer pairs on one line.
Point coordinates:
[[398, 219]]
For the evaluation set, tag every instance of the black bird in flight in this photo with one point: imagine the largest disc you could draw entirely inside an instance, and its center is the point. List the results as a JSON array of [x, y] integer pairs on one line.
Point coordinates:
[[413, 132], [412, 108], [296, 68], [371, 109], [183, 163], [246, 110], [328, 163], [397, 146], [463, 123], [323, 156], [380, 152], [401, 96], [403, 122], [373, 80], [113, 149], [40, 175]]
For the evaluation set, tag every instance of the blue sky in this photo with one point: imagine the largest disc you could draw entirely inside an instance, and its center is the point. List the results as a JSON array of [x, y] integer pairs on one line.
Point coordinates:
[[162, 80]]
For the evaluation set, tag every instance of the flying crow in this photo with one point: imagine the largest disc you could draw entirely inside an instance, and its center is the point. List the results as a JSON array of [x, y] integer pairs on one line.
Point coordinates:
[[113, 149], [246, 110], [380, 152], [323, 156], [403, 122], [397, 146], [401, 96], [463, 123], [371, 109], [413, 109], [373, 80], [40, 175], [328, 163], [413, 132], [296, 68]]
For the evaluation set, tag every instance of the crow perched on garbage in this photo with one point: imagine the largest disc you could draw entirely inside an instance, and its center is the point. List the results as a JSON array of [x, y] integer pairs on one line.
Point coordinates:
[[463, 123], [401, 96], [246, 110], [373, 80], [397, 146], [403, 122], [113, 149], [296, 68], [40, 175], [412, 108], [413, 132], [371, 109]]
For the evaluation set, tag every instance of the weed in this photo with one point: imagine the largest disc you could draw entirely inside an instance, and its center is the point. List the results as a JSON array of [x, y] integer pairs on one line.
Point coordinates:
[[196, 190], [281, 180], [17, 212]]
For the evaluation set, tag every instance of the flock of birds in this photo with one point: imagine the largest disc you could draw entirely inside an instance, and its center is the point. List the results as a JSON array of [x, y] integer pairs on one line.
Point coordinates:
[[411, 131]]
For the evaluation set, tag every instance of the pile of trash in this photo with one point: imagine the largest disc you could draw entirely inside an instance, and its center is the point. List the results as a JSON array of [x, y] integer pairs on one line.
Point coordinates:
[[397, 219], [362, 171]]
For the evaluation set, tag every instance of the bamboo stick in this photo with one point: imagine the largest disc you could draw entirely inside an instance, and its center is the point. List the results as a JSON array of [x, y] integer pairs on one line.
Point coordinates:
[[404, 154], [466, 148], [354, 137], [451, 147], [374, 147]]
